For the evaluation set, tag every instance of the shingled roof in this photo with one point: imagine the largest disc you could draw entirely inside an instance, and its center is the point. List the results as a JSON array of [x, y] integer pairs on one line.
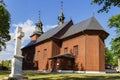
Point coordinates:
[[51, 33], [30, 44], [89, 24]]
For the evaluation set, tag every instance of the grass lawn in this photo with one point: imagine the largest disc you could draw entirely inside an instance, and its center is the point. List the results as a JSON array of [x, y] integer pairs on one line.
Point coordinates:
[[72, 76]]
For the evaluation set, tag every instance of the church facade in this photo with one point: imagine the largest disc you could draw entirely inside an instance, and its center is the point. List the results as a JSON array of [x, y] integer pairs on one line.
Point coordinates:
[[67, 47]]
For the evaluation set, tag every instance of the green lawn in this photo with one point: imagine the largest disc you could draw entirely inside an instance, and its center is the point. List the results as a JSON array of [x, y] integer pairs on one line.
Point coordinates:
[[56, 76]]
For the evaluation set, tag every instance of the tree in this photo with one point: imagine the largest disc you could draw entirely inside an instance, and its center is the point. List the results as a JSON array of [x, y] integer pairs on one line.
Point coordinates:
[[4, 25], [114, 21], [115, 45], [106, 4], [110, 57]]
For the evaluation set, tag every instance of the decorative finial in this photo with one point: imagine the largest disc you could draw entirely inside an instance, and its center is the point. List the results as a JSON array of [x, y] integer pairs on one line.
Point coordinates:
[[39, 23], [38, 28], [61, 15]]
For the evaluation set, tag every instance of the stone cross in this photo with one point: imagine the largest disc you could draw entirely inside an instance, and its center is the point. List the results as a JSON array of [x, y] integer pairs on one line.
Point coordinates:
[[16, 69], [18, 36]]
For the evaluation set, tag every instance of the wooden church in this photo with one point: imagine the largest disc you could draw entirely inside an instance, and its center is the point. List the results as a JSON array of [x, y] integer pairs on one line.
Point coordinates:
[[68, 47]]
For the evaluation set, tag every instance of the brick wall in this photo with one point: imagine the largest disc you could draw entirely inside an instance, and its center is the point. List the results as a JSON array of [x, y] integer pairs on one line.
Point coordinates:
[[80, 58], [43, 52]]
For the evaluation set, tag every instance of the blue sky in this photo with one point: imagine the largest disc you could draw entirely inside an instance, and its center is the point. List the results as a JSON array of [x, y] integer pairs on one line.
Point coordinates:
[[25, 13]]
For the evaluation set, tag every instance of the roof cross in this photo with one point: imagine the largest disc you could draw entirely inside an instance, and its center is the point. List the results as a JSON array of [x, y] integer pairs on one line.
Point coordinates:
[[61, 6]]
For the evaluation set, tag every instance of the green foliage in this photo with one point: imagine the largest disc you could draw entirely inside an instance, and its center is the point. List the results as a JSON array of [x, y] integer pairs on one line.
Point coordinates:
[[106, 4], [110, 57], [4, 26], [114, 21], [115, 45], [6, 63]]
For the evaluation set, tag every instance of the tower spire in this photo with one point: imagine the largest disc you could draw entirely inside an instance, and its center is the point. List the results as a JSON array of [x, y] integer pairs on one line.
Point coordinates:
[[61, 15], [38, 28]]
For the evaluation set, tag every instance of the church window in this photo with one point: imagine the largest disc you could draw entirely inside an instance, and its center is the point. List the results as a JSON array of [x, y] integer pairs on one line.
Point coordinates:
[[45, 53], [75, 49], [38, 55], [66, 50]]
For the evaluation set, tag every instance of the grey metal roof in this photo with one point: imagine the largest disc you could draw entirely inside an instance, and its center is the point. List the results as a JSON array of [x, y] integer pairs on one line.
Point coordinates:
[[89, 24], [30, 43], [51, 32]]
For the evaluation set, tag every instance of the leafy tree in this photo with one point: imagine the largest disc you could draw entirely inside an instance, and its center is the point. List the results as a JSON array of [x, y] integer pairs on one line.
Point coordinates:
[[106, 4], [110, 57], [114, 21], [115, 45], [4, 25]]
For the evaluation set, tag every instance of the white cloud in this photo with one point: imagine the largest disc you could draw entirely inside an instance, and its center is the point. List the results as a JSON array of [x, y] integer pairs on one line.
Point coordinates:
[[28, 27]]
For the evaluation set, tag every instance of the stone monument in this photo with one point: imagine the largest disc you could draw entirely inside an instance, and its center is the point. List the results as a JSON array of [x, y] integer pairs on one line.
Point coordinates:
[[16, 69]]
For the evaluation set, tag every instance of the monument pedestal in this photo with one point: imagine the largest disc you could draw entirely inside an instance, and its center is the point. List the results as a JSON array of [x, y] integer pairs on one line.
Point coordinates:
[[16, 71]]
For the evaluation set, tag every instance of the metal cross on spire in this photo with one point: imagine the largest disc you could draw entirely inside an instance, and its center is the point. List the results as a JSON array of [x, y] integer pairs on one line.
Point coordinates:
[[38, 28], [61, 15], [39, 15], [61, 6]]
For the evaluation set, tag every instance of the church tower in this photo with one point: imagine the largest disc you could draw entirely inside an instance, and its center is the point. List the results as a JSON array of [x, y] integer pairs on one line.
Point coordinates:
[[61, 15], [38, 30]]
